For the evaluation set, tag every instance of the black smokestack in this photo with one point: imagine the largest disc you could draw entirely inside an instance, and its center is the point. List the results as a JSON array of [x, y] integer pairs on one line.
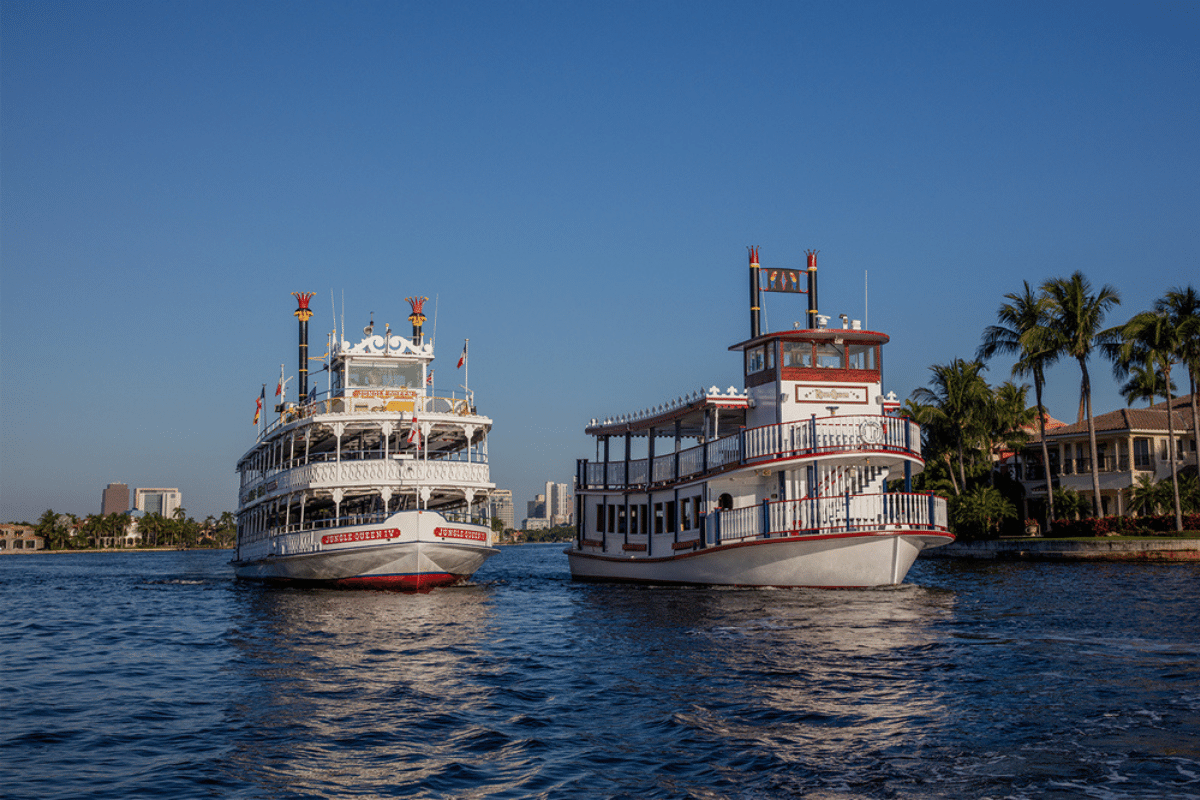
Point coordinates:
[[303, 314], [812, 289], [754, 329]]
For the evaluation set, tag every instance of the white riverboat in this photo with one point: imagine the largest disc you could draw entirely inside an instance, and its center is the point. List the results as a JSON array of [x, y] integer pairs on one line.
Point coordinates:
[[373, 483], [785, 481]]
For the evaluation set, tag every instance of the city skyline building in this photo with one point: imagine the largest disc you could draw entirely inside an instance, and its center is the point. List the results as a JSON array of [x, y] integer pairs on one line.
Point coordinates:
[[158, 501], [115, 499], [502, 508]]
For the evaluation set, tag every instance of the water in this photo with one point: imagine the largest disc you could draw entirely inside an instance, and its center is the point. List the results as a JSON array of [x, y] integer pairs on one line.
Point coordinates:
[[158, 675]]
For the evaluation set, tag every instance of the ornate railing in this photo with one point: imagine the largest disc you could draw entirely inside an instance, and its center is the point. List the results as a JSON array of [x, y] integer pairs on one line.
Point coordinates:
[[848, 435], [823, 515], [377, 472]]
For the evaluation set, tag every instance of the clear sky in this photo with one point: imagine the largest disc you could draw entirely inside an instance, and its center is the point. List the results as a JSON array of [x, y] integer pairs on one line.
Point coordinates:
[[575, 183]]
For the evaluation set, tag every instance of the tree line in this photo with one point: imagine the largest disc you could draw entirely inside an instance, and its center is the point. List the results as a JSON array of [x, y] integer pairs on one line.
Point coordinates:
[[965, 421], [69, 532]]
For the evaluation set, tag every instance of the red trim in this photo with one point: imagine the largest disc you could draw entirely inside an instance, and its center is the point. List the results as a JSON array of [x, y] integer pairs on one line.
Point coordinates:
[[403, 583], [830, 375]]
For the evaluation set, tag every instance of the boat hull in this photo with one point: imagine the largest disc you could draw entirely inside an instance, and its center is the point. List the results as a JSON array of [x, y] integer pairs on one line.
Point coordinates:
[[831, 561], [410, 566]]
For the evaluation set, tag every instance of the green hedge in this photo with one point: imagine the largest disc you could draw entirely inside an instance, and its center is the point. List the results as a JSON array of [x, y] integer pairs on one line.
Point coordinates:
[[1162, 524]]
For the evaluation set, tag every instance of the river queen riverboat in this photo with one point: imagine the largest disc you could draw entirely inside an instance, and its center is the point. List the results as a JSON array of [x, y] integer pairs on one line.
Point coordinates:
[[374, 483], [787, 484]]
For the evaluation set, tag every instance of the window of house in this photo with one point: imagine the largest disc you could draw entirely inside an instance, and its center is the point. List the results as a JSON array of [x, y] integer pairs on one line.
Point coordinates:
[[1141, 453]]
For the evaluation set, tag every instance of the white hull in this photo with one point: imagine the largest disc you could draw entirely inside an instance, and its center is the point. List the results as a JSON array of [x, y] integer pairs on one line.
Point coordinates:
[[410, 550], [830, 561]]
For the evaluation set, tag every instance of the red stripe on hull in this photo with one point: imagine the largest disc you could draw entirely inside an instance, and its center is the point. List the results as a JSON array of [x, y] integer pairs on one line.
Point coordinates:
[[394, 583]]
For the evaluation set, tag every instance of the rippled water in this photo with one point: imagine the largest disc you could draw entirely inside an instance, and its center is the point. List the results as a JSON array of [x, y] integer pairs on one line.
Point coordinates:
[[159, 675]]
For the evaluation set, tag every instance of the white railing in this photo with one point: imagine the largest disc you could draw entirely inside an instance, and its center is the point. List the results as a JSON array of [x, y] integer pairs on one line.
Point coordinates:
[[377, 472], [863, 513], [847, 435]]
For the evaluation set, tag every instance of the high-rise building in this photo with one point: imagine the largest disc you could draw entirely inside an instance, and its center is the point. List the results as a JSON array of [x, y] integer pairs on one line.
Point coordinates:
[[158, 501], [560, 504], [502, 508], [536, 509], [115, 499]]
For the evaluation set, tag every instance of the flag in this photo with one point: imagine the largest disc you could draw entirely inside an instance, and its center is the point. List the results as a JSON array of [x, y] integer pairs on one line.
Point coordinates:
[[258, 403], [429, 378], [278, 389], [463, 358], [414, 433]]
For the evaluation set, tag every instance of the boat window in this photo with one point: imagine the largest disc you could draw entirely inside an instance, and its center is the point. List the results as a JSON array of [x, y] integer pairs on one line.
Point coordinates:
[[862, 356], [830, 356], [612, 519], [621, 520], [755, 360], [600, 519], [644, 517], [671, 517], [725, 502], [797, 354], [633, 519], [384, 376], [685, 513], [658, 517], [771, 356]]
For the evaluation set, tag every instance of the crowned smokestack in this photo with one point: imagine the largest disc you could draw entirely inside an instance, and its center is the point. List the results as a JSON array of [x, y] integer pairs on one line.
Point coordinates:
[[416, 317], [303, 314], [754, 330]]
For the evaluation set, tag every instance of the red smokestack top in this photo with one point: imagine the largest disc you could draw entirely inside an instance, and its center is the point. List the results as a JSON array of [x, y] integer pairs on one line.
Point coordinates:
[[812, 258], [753, 255]]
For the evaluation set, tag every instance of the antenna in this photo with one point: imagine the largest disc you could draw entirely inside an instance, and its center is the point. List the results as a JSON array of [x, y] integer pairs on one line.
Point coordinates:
[[435, 304], [866, 314]]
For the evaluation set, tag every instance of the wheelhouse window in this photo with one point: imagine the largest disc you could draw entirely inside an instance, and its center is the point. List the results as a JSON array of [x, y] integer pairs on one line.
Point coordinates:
[[367, 375], [797, 354], [756, 359], [863, 356], [831, 356]]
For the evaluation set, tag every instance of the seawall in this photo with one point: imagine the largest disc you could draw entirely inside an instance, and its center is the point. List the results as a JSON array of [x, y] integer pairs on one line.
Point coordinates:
[[1150, 550]]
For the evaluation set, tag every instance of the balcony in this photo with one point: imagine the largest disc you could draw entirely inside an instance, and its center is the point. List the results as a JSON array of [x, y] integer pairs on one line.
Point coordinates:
[[858, 434]]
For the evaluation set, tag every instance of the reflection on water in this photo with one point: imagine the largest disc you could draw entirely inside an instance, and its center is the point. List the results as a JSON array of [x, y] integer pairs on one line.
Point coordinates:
[[158, 675]]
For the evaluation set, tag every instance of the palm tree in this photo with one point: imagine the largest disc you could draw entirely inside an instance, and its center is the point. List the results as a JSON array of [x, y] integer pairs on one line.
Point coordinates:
[[1182, 305], [960, 401], [1021, 320], [1143, 382], [1152, 336], [1073, 330], [1144, 495]]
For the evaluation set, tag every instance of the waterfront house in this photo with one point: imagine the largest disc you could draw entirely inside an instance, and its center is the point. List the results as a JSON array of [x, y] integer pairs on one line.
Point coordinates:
[[19, 539], [1130, 443]]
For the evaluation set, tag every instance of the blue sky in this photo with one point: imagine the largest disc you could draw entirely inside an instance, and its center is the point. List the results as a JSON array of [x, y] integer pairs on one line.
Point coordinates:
[[575, 184]]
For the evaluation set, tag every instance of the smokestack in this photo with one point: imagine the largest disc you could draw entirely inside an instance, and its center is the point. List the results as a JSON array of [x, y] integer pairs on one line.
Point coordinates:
[[812, 289], [416, 317], [304, 315], [754, 330]]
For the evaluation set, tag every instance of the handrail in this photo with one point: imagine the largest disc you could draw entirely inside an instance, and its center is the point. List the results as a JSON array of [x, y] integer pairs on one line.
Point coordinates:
[[863, 513], [858, 433]]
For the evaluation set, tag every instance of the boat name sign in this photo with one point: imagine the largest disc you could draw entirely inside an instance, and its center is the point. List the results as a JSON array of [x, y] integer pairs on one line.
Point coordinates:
[[460, 533], [360, 536]]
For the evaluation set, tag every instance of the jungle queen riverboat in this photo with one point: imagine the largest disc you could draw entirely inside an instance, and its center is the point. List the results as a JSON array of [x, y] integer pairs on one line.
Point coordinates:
[[374, 483], [787, 484]]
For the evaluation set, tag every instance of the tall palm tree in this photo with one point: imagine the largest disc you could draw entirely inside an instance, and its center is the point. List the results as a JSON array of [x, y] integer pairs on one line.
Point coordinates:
[[1151, 335], [1074, 329], [961, 400], [1022, 321], [1182, 305]]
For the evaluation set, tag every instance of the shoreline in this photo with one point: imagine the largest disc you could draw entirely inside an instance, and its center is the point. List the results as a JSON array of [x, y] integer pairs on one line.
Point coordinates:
[[1155, 551]]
